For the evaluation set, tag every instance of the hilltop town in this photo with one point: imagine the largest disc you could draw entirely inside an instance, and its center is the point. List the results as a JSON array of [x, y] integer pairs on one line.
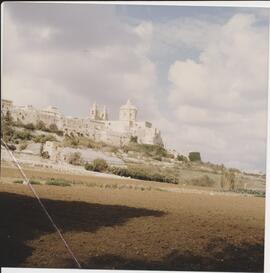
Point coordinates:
[[97, 125]]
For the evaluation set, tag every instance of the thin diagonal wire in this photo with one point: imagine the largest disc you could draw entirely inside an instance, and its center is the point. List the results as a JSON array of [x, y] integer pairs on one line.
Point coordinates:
[[27, 182]]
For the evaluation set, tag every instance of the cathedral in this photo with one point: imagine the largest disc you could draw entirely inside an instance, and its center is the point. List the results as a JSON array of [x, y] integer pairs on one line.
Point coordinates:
[[97, 125]]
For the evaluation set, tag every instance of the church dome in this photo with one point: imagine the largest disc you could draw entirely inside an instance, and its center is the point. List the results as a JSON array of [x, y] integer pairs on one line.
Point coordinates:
[[52, 109], [128, 106]]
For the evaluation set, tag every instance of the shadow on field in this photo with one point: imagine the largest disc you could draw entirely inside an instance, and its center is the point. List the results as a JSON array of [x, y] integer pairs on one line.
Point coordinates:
[[248, 258], [22, 219]]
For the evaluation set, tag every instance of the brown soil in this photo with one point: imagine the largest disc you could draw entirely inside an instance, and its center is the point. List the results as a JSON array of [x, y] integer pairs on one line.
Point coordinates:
[[130, 229]]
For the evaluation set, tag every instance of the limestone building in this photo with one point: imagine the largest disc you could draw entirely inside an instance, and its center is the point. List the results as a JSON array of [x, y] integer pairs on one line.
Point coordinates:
[[97, 125]]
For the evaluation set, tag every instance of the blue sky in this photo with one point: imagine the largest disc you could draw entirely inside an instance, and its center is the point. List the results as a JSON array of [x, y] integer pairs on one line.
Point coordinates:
[[197, 73]]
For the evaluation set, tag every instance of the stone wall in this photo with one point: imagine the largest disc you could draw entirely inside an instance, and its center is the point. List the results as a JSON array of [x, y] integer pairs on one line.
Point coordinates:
[[116, 132]]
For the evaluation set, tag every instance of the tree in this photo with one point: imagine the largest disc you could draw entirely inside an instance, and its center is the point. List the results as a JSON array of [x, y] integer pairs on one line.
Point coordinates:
[[7, 132], [41, 125], [100, 165], [30, 126], [8, 118], [228, 180], [134, 139], [75, 158], [182, 158], [53, 127]]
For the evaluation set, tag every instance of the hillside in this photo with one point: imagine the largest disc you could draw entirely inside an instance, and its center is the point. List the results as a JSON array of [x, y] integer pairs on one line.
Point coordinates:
[[39, 146]]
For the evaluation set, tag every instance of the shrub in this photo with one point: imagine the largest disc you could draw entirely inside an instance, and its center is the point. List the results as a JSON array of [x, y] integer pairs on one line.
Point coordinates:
[[18, 123], [45, 155], [58, 182], [158, 158], [8, 118], [112, 149], [23, 146], [11, 147], [146, 149], [194, 156], [53, 127], [88, 166], [34, 182], [228, 180], [75, 158], [59, 133], [74, 142], [41, 125], [43, 138], [18, 181], [100, 165], [182, 158], [119, 171], [24, 135], [143, 173], [134, 139], [29, 126], [7, 132], [204, 181]]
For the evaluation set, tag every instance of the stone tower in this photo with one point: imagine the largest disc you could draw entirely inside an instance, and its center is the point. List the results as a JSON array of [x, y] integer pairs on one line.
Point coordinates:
[[128, 112], [96, 114], [104, 114]]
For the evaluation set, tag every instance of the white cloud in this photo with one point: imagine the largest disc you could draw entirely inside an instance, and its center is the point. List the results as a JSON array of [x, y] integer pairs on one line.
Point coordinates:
[[213, 102], [221, 97], [108, 73]]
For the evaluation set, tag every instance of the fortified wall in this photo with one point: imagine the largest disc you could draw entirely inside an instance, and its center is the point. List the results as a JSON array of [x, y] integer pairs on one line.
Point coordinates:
[[96, 126]]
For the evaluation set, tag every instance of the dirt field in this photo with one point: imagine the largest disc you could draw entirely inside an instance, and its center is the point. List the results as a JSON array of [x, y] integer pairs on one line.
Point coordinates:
[[121, 228]]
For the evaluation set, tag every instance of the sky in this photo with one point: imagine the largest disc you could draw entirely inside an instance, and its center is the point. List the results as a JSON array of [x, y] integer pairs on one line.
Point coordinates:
[[199, 74]]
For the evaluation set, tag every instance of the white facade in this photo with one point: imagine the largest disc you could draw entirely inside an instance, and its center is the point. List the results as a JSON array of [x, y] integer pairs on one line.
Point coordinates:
[[96, 126]]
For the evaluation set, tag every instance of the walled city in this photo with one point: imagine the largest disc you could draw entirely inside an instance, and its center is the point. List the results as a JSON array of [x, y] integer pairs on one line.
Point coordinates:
[[97, 125]]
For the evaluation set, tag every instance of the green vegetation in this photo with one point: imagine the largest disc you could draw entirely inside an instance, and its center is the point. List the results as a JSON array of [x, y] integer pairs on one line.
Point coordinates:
[[8, 118], [150, 173], [30, 126], [75, 159], [45, 155], [58, 182], [79, 141], [88, 166], [34, 182], [194, 156], [23, 146], [158, 158], [54, 129], [204, 181], [73, 141], [100, 165], [11, 147], [228, 180], [182, 158], [41, 125], [23, 135], [148, 150], [252, 192], [18, 181], [43, 138], [6, 130], [134, 139]]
